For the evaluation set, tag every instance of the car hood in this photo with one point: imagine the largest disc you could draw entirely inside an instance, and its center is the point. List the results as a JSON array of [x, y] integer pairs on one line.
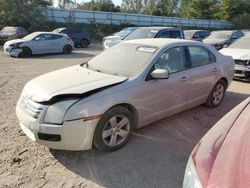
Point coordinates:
[[214, 41], [241, 54], [15, 41], [232, 164], [221, 146], [72, 80], [112, 38]]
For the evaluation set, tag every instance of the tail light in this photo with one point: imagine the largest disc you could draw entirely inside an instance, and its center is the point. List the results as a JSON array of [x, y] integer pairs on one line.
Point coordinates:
[[69, 39]]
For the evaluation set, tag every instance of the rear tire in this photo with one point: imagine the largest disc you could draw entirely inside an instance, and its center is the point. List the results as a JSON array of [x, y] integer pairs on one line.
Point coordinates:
[[216, 95], [113, 129], [67, 49], [26, 52], [84, 43]]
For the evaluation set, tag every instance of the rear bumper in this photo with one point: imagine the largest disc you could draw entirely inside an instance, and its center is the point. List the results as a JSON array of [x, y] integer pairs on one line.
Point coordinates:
[[71, 135]]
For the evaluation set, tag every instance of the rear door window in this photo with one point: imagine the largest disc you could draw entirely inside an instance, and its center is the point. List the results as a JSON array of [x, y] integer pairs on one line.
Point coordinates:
[[164, 34], [200, 56], [175, 34]]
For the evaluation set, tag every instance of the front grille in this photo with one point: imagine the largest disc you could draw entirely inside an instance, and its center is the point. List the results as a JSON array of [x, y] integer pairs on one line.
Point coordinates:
[[33, 108], [241, 62], [238, 71]]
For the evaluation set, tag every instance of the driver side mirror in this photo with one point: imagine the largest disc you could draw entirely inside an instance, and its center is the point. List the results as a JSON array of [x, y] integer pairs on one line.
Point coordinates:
[[160, 74]]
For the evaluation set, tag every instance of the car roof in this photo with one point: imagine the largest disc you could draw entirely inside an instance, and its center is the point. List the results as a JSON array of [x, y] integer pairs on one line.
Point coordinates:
[[60, 29], [225, 31], [161, 42], [195, 30], [158, 28], [44, 32]]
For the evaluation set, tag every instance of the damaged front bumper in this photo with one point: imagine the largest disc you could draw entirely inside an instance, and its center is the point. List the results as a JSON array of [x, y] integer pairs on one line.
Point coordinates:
[[12, 51], [70, 135], [242, 72]]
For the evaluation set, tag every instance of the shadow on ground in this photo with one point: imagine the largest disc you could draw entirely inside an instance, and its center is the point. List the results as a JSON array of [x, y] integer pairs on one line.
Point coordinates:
[[73, 55], [155, 156]]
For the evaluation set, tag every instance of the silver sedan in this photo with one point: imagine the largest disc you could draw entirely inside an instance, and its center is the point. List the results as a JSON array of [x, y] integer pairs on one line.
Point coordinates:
[[127, 86], [39, 43]]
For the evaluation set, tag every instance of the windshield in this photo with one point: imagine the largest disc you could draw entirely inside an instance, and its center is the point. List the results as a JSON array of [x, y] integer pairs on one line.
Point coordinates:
[[31, 36], [125, 32], [242, 43], [142, 33], [189, 34], [58, 30], [220, 35], [124, 59], [10, 30]]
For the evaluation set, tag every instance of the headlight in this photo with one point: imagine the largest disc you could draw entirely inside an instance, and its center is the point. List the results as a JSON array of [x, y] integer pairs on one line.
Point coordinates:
[[55, 113], [191, 178], [108, 41], [18, 44]]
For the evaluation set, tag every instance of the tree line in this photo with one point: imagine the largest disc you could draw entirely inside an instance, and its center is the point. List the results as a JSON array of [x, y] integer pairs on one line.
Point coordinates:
[[236, 11]]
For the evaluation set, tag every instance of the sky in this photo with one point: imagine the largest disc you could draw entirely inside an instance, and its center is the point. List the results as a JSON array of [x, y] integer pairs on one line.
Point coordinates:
[[116, 2]]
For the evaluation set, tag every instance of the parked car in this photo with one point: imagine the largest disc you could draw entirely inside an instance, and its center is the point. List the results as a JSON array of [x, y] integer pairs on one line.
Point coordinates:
[[221, 158], [39, 43], [222, 39], [150, 32], [198, 35], [240, 51], [79, 36], [117, 36], [109, 96], [10, 33]]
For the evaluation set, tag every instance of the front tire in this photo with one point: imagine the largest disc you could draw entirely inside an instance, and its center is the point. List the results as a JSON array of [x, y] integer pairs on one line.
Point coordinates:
[[217, 94], [26, 52], [114, 129]]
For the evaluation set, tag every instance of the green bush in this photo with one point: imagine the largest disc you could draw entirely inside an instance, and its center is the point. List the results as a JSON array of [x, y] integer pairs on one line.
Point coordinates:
[[242, 21]]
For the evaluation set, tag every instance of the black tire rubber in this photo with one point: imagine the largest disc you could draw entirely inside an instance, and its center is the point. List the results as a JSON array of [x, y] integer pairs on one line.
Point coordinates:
[[98, 140], [84, 43], [67, 49], [210, 103], [26, 52]]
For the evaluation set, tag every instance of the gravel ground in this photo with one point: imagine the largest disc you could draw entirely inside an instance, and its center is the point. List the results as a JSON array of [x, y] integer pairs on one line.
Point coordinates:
[[155, 156]]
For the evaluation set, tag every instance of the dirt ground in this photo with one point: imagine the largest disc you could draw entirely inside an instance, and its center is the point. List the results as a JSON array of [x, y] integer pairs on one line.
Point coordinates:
[[155, 156]]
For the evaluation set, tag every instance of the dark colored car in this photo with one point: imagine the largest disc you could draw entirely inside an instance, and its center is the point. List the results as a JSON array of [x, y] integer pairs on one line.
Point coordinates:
[[148, 32], [155, 32], [197, 35], [79, 36], [221, 158], [10, 33], [222, 39]]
